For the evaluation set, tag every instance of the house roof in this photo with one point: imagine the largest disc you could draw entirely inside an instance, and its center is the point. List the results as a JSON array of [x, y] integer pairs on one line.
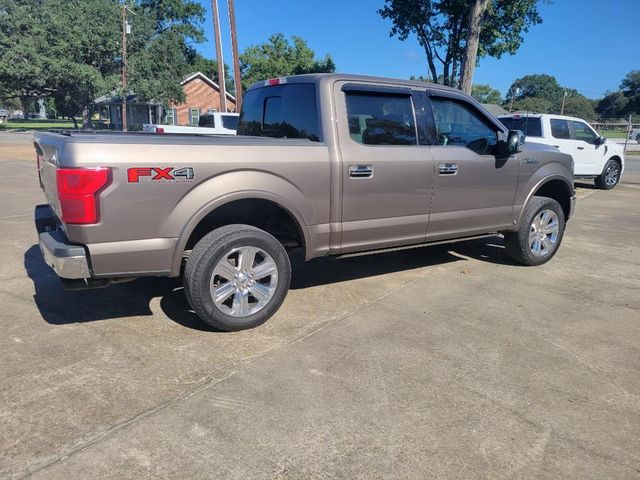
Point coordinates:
[[206, 79], [496, 110]]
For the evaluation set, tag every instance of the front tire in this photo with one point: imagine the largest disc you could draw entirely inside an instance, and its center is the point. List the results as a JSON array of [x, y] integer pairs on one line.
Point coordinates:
[[237, 277], [540, 233], [609, 177]]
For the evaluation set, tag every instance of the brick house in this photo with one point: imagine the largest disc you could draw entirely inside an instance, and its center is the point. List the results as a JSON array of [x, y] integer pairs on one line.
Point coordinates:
[[202, 96]]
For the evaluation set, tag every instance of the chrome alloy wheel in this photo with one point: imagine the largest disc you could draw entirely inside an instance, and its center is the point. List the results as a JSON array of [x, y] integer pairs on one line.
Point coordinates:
[[543, 233], [243, 281], [611, 174]]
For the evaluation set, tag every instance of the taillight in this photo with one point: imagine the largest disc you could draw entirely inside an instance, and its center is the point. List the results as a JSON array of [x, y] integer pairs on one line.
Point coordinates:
[[77, 191], [159, 130]]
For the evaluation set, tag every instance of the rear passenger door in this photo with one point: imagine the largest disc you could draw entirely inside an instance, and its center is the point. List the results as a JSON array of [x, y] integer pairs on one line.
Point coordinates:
[[561, 136], [474, 188], [387, 177]]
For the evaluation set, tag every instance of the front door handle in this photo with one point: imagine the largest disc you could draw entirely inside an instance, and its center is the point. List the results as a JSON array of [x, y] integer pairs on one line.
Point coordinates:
[[448, 168], [360, 171]]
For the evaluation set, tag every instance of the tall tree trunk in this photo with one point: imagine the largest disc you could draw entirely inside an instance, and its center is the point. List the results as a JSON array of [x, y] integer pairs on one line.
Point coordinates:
[[478, 7], [24, 101], [86, 118]]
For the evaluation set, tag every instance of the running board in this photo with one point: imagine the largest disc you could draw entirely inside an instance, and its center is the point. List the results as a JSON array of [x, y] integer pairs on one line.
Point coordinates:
[[415, 245]]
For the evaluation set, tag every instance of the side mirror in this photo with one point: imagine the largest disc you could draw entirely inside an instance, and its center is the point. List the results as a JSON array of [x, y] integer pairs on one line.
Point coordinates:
[[600, 140], [515, 142]]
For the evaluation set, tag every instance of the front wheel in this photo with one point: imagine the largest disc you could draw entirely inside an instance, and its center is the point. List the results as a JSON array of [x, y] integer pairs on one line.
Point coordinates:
[[609, 177], [237, 277], [540, 233]]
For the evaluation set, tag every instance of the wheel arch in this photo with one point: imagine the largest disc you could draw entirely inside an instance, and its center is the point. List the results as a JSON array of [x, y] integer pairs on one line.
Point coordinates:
[[555, 187]]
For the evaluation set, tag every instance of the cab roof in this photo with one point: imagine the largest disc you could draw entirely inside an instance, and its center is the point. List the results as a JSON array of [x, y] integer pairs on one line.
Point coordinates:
[[329, 77]]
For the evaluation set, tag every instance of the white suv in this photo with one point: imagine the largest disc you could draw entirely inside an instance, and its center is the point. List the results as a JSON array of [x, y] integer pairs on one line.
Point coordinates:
[[593, 156]]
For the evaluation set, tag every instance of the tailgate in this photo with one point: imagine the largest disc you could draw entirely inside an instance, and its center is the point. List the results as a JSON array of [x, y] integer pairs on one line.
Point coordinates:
[[48, 150]]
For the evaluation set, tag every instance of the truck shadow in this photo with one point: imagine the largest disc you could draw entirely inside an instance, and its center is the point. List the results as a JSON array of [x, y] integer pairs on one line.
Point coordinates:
[[58, 306]]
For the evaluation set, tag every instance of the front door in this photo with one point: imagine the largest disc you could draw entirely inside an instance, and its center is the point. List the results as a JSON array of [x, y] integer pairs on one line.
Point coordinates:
[[386, 177], [474, 190], [588, 156]]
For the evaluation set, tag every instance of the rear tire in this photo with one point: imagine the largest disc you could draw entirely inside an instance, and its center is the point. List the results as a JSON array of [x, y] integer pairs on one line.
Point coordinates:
[[610, 176], [540, 233], [237, 277]]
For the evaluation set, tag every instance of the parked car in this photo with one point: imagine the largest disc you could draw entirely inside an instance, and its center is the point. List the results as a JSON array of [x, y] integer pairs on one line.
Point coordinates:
[[216, 123], [330, 164], [3, 113], [634, 134], [594, 156]]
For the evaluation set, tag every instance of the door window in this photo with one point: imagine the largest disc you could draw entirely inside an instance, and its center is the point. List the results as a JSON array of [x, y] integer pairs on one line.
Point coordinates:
[[381, 119], [584, 132], [560, 129], [458, 125]]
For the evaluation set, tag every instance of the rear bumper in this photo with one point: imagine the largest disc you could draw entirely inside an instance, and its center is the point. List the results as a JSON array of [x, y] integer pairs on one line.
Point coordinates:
[[67, 260]]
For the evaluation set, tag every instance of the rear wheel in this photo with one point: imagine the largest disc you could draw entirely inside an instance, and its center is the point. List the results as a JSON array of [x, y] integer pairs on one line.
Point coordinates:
[[540, 233], [237, 277], [610, 176]]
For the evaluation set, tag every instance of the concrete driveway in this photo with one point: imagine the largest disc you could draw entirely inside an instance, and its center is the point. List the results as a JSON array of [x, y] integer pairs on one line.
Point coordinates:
[[442, 362]]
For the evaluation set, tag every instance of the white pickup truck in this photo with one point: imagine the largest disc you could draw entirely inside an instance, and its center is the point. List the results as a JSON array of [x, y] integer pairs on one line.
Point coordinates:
[[216, 123], [593, 156]]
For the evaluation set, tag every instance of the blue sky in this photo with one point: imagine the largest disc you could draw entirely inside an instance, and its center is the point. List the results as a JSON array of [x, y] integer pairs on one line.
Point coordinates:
[[583, 43]]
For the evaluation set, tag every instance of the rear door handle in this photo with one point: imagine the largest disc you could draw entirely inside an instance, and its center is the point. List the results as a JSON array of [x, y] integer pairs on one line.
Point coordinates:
[[580, 148], [360, 171], [448, 168]]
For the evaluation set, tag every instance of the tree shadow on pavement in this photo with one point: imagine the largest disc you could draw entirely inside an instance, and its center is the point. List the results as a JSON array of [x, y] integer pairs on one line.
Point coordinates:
[[59, 306]]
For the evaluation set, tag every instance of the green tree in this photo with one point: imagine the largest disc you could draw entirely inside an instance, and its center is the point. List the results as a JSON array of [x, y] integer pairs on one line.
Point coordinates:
[[542, 93], [486, 94], [533, 104], [22, 51], [630, 87], [613, 105], [442, 29], [69, 50], [278, 57], [540, 85], [579, 106]]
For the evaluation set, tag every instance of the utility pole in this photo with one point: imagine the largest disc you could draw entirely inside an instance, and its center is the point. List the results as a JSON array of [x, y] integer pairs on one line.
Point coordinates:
[[564, 96], [626, 139], [123, 97], [236, 61], [219, 59]]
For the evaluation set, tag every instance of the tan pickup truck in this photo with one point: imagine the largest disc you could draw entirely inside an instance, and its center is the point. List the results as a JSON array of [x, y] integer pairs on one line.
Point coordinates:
[[330, 164]]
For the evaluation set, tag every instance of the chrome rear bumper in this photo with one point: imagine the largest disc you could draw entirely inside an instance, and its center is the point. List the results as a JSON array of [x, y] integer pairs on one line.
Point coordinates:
[[67, 260]]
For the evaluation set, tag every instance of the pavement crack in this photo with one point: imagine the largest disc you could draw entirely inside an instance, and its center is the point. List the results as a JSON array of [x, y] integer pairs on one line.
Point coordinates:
[[118, 427]]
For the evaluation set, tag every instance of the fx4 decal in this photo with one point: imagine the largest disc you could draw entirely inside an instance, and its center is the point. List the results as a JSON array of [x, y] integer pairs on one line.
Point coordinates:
[[159, 174]]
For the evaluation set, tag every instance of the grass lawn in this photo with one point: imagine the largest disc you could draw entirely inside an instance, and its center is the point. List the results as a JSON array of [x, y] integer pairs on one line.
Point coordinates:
[[613, 133], [33, 124]]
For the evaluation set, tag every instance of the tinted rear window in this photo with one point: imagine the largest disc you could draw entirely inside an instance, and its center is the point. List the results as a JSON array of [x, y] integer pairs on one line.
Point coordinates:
[[281, 111], [230, 121], [560, 128], [530, 126]]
